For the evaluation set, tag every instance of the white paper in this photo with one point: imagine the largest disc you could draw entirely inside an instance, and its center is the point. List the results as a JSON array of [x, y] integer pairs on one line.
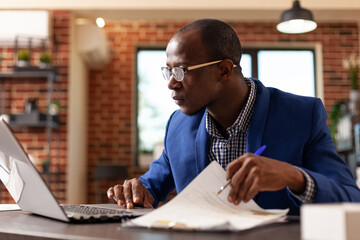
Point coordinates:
[[198, 207], [9, 175], [9, 207], [4, 167], [16, 184]]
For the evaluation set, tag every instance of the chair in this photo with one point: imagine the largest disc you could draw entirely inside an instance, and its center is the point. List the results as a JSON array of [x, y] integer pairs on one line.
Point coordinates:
[[108, 172]]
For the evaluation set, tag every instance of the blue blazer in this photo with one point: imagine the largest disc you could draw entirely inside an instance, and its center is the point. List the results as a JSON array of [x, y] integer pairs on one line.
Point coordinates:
[[293, 128]]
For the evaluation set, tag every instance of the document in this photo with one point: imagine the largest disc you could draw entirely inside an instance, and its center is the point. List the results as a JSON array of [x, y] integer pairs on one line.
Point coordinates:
[[198, 207], [10, 176]]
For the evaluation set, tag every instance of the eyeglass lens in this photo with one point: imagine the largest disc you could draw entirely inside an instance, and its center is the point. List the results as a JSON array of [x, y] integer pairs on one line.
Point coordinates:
[[177, 72]]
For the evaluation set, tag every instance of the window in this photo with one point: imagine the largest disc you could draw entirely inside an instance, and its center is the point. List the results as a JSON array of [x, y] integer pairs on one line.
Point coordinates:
[[245, 64], [286, 69], [23, 24], [154, 105]]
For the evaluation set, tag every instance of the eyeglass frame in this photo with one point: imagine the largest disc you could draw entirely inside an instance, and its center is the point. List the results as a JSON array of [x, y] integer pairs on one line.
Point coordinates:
[[186, 69]]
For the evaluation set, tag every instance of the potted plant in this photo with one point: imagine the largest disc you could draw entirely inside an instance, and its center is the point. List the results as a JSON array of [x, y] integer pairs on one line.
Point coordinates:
[[45, 165], [352, 66], [336, 111], [45, 60], [23, 58], [54, 108]]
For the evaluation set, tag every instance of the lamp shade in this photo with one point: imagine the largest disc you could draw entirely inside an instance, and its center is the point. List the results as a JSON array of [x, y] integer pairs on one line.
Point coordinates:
[[296, 20]]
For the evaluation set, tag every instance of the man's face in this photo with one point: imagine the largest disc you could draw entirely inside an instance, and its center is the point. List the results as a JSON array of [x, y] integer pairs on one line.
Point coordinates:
[[199, 86]]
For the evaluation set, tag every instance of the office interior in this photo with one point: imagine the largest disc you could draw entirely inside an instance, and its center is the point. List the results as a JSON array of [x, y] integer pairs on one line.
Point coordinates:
[[96, 88]]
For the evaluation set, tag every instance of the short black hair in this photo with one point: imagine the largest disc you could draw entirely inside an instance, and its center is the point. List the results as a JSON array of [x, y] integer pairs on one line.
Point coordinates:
[[219, 39]]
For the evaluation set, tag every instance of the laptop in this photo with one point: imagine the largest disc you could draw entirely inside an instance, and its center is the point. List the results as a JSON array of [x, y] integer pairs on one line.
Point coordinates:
[[32, 194]]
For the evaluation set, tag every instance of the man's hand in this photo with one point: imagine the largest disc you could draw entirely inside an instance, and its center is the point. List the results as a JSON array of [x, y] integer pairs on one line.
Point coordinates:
[[251, 174], [131, 193]]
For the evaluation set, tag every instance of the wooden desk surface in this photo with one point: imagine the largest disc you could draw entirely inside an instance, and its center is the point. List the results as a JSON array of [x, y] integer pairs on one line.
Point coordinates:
[[25, 226]]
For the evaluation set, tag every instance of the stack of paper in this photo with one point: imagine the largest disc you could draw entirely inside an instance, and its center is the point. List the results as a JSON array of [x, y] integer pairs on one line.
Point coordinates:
[[198, 207], [338, 221]]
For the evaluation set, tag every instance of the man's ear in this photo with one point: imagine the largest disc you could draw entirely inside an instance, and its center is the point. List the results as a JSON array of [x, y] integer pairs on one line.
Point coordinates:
[[226, 69]]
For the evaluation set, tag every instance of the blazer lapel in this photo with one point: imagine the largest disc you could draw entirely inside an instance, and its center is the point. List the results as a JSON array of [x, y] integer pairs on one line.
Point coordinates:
[[259, 117], [201, 146]]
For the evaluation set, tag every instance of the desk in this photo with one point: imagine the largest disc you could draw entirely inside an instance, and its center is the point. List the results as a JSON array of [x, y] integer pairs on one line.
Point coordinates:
[[25, 226]]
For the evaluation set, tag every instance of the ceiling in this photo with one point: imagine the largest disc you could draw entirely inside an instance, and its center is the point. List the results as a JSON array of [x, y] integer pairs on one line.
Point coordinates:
[[251, 10]]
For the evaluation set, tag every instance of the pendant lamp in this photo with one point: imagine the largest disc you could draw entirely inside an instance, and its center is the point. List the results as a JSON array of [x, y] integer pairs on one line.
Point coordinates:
[[296, 20]]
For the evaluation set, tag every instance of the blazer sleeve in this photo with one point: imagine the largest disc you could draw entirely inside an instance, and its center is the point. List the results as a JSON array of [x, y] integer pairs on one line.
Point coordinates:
[[332, 176], [159, 179]]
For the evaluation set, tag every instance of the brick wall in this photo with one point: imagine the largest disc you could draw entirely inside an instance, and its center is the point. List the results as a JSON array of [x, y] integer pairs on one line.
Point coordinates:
[[111, 105], [18, 92]]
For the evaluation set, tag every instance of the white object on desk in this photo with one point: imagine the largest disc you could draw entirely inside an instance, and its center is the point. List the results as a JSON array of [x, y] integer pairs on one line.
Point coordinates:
[[198, 207], [330, 221], [9, 207], [10, 176]]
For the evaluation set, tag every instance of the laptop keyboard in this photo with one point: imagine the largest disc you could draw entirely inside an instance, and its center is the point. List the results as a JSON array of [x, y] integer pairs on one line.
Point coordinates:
[[89, 210], [94, 213]]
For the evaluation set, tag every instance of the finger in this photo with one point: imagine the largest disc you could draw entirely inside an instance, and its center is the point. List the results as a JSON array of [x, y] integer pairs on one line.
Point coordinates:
[[147, 203], [246, 184], [148, 200], [237, 179], [110, 192], [235, 165], [232, 167], [118, 195], [253, 190], [137, 193], [128, 194]]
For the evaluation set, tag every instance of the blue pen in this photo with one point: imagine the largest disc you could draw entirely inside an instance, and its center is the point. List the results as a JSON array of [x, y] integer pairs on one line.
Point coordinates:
[[258, 152]]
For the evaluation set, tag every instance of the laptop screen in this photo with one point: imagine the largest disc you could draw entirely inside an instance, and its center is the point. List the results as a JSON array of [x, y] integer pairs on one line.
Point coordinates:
[[23, 180]]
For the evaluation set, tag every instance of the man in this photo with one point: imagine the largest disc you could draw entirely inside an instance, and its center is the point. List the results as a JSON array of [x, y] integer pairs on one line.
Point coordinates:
[[224, 117]]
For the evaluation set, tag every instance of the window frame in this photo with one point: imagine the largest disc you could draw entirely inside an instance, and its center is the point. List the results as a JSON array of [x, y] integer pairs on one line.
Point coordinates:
[[253, 52], [253, 48], [150, 47]]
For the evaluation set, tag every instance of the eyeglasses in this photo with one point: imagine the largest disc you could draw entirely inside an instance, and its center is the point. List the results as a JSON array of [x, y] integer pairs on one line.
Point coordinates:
[[179, 72]]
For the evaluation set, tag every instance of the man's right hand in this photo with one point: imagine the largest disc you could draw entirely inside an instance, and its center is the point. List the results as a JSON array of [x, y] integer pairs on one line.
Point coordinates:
[[131, 193]]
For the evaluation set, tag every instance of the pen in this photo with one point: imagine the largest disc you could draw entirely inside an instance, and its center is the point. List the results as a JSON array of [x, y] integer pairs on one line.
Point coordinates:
[[258, 152]]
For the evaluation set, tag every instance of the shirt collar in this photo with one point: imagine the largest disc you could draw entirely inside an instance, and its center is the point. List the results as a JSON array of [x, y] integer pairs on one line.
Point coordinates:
[[243, 120]]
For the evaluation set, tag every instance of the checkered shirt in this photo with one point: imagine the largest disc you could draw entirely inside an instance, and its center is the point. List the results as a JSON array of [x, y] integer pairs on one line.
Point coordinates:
[[308, 196], [224, 150]]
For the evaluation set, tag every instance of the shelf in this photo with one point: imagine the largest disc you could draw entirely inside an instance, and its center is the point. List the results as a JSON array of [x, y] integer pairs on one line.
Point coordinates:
[[33, 69], [35, 73], [33, 119]]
